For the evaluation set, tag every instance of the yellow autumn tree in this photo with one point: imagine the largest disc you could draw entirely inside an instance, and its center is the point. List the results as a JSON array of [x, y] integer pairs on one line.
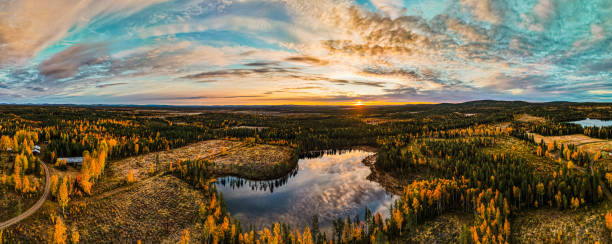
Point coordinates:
[[59, 233], [74, 236], [398, 218], [5, 143], [62, 196], [184, 237], [507, 228], [130, 177], [54, 184]]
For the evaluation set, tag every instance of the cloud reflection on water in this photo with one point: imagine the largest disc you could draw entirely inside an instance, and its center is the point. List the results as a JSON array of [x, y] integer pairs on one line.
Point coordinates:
[[332, 186]]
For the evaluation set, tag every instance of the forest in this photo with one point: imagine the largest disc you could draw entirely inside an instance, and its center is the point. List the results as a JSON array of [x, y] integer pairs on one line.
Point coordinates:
[[478, 159]]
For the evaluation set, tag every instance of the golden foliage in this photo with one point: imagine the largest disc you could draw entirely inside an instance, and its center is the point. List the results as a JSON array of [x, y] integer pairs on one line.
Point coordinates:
[[608, 218], [130, 177], [59, 233]]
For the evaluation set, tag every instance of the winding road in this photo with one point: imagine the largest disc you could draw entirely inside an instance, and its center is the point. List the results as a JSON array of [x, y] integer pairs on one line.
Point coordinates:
[[36, 206]]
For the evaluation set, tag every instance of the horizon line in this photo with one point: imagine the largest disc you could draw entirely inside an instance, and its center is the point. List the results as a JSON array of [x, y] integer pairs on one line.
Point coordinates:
[[346, 104]]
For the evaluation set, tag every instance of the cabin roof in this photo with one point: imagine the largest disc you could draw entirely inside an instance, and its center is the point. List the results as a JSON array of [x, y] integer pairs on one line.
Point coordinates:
[[72, 159]]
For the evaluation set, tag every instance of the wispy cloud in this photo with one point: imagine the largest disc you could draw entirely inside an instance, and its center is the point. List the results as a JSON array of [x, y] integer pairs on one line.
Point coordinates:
[[303, 51]]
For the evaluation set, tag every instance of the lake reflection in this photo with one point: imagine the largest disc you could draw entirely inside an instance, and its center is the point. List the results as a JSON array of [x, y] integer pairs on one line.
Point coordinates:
[[593, 122], [332, 186]]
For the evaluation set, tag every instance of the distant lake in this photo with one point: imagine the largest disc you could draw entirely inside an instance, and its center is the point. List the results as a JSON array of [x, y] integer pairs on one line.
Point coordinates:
[[593, 122], [332, 186]]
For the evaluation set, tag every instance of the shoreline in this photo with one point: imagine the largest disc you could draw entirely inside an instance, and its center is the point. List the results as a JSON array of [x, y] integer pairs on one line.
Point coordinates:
[[390, 183]]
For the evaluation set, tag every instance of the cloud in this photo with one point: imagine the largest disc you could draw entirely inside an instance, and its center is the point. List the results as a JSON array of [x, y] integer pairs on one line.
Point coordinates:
[[369, 83], [466, 32], [154, 97], [262, 64], [402, 50], [605, 66], [307, 60], [601, 92], [67, 62], [111, 84], [391, 8], [544, 9], [597, 32], [37, 89], [237, 72], [29, 26], [482, 10], [411, 91]]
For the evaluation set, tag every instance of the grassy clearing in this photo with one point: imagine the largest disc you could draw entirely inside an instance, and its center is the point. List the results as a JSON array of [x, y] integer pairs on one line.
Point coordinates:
[[576, 139], [584, 143], [445, 228], [585, 225], [521, 149], [142, 165], [230, 157], [529, 118], [11, 202], [149, 211], [258, 161]]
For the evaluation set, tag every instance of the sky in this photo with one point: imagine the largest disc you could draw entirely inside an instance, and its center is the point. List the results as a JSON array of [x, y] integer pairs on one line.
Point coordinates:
[[326, 52]]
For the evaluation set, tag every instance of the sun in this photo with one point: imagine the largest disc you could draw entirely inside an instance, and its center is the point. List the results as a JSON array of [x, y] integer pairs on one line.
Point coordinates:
[[358, 103]]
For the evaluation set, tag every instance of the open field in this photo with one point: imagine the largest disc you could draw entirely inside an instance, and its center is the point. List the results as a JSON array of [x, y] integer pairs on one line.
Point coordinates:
[[529, 118], [582, 141], [445, 228], [570, 226], [11, 202], [149, 211], [521, 149], [257, 161]]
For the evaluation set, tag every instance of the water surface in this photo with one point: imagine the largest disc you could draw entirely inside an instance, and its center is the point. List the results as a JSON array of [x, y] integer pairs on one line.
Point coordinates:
[[332, 186], [593, 122]]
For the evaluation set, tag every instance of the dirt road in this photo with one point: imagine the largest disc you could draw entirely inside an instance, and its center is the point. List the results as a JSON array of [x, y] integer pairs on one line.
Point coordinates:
[[36, 206]]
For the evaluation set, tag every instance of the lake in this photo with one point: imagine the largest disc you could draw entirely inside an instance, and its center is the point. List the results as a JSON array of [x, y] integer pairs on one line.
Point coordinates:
[[331, 186], [593, 122]]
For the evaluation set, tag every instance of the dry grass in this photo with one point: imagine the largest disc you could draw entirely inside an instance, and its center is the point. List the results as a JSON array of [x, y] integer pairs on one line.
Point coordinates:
[[255, 162], [576, 139], [585, 225], [11, 202], [521, 149], [587, 144], [379, 121], [230, 157], [529, 118], [149, 211], [443, 229]]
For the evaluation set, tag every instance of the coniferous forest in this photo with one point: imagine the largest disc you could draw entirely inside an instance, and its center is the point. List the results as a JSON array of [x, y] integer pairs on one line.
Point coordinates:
[[151, 173]]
